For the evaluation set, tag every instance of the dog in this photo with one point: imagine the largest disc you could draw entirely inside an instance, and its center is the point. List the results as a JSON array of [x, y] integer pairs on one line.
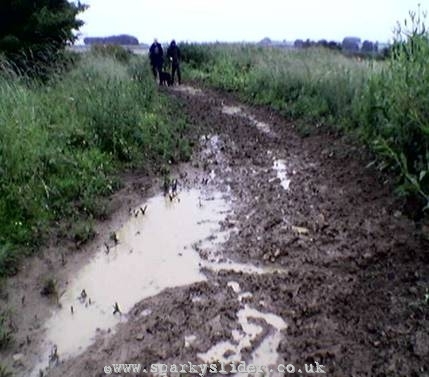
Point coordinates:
[[165, 78]]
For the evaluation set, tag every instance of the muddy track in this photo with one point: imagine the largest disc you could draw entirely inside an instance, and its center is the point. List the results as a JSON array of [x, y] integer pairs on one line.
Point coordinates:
[[326, 267]]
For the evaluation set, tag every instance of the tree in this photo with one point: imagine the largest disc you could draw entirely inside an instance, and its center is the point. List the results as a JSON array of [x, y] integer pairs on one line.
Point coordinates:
[[299, 43], [368, 46], [32, 30], [122, 39], [351, 44]]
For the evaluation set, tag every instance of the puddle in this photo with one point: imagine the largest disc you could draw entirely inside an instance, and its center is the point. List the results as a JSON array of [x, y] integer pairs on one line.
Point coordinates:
[[187, 89], [189, 339], [262, 126], [231, 110], [280, 167], [264, 355], [236, 110], [231, 351], [235, 286], [212, 144], [235, 267], [153, 253]]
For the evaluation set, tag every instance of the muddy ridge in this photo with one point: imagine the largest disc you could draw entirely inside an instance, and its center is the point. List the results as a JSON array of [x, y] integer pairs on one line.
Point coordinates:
[[301, 255]]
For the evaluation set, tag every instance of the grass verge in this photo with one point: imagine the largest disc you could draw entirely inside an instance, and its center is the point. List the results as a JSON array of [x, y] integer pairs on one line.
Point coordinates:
[[62, 144]]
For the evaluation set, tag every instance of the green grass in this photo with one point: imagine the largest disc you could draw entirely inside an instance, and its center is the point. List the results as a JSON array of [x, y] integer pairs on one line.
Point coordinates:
[[4, 372], [62, 144], [5, 331], [311, 84], [383, 103]]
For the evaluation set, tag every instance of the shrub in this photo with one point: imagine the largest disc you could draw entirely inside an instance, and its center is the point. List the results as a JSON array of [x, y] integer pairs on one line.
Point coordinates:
[[33, 33]]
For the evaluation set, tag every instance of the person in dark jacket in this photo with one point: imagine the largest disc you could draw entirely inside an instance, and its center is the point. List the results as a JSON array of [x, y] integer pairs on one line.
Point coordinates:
[[156, 57], [173, 53]]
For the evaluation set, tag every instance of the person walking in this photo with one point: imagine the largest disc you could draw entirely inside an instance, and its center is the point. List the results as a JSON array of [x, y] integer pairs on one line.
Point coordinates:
[[173, 53], [156, 57]]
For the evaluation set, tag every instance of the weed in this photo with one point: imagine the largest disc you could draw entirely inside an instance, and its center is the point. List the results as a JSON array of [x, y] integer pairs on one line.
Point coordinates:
[[4, 372], [49, 287], [5, 331], [82, 232]]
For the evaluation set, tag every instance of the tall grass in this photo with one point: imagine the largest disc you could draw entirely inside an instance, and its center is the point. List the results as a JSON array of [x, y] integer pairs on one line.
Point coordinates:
[[61, 144], [311, 84], [384, 103]]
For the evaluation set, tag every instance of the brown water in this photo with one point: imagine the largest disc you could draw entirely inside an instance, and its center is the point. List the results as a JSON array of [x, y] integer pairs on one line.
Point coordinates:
[[153, 253]]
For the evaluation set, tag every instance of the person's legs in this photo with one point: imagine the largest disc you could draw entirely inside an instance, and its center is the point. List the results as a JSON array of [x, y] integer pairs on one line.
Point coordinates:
[[159, 68], [173, 73], [176, 69], [179, 76], [153, 66]]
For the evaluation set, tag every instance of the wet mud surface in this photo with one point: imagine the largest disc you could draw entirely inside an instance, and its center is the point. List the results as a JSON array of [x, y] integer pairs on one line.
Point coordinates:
[[307, 258]]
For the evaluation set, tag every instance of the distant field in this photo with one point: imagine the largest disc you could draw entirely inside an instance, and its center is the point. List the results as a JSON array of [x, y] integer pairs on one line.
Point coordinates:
[[138, 50]]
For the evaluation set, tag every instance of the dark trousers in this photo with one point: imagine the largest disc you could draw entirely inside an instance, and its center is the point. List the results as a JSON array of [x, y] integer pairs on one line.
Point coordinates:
[[175, 67], [156, 70]]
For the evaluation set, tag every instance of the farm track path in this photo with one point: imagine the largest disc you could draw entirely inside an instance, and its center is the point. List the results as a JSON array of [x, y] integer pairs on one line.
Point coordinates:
[[343, 274]]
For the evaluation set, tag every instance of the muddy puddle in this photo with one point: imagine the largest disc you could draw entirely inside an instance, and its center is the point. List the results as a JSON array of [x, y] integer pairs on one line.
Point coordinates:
[[174, 243], [152, 252], [238, 111], [249, 332], [279, 167], [188, 90]]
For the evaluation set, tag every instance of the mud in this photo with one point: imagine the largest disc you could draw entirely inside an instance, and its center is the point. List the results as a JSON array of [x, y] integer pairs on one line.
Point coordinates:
[[315, 262], [152, 252]]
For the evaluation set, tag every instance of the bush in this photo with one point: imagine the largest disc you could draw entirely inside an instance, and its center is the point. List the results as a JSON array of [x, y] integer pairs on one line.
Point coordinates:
[[394, 110], [33, 33]]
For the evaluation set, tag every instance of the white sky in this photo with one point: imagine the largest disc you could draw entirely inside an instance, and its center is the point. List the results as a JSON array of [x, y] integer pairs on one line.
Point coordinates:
[[246, 20]]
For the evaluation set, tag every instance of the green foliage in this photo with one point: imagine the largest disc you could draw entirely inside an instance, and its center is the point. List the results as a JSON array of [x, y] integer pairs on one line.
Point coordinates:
[[32, 33], [114, 51], [61, 144], [5, 331], [385, 103], [49, 287], [315, 83], [9, 258], [394, 109], [4, 372], [194, 55], [82, 232]]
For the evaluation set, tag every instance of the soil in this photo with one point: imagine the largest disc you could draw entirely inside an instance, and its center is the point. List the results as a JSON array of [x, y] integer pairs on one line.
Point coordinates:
[[346, 271]]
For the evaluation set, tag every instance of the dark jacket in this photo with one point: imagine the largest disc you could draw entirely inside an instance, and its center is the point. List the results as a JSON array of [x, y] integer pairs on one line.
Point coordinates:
[[156, 54], [173, 52]]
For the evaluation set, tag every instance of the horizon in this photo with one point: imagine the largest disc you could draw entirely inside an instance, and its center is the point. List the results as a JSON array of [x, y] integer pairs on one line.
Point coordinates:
[[203, 21]]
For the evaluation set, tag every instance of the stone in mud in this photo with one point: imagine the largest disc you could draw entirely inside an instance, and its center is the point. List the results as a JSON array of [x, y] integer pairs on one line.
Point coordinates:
[[18, 360], [216, 325], [300, 230], [421, 344]]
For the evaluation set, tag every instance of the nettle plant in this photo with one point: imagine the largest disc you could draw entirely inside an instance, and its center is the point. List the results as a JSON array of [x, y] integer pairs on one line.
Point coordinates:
[[401, 130]]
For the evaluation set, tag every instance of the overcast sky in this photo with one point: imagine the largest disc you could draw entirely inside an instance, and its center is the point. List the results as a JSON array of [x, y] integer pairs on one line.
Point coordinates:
[[245, 20]]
